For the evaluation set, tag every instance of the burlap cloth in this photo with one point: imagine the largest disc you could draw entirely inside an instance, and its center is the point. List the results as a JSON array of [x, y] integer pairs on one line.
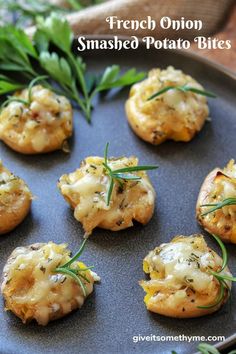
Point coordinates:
[[213, 13]]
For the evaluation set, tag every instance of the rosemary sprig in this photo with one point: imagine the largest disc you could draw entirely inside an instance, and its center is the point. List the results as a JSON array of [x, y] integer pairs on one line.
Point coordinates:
[[217, 206], [122, 174], [182, 88], [75, 273], [222, 278], [28, 101]]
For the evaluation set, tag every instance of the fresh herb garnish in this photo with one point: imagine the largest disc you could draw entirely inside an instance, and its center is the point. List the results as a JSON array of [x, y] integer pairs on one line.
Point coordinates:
[[205, 348], [122, 174], [76, 273], [53, 55], [217, 206], [182, 88], [28, 10], [222, 278], [28, 101]]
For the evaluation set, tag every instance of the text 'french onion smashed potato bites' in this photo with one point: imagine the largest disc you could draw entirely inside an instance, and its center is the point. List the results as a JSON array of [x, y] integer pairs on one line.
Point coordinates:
[[87, 188], [180, 279], [33, 290], [219, 186], [41, 126], [15, 200], [174, 115]]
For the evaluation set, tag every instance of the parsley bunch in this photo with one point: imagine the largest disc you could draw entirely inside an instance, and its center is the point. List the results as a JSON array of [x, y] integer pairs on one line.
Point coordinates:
[[51, 54]]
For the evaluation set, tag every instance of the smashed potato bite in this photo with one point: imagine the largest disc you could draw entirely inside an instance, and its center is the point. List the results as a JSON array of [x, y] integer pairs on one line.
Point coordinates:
[[180, 278], [174, 115], [34, 291], [87, 188], [15, 200], [41, 126], [219, 185]]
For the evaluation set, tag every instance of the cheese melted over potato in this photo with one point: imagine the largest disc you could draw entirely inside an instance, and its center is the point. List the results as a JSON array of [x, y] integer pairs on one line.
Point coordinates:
[[33, 290], [180, 278], [15, 200], [219, 185], [86, 191], [173, 115], [41, 127]]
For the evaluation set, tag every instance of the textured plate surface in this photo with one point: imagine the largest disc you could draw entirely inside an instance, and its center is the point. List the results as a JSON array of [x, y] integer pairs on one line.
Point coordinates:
[[115, 312]]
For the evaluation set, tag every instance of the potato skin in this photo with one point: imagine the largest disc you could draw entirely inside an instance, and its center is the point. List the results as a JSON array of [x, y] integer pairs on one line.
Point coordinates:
[[174, 115], [42, 127], [134, 202], [14, 207], [170, 300], [216, 223], [60, 299]]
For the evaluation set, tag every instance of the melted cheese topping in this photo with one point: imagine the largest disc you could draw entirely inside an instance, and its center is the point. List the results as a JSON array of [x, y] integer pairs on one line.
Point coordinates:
[[47, 120], [173, 115], [180, 277], [223, 186], [86, 190], [32, 286], [184, 262], [11, 188]]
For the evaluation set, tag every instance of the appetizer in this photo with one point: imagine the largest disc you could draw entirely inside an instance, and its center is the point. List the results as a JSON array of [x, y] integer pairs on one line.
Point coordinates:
[[168, 105], [43, 283], [36, 120], [15, 200], [216, 204], [185, 278], [109, 193]]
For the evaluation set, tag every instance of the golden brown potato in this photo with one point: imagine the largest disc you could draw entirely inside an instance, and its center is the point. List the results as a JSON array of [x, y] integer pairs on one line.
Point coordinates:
[[220, 184], [180, 278], [40, 127], [15, 200], [174, 115], [86, 191], [33, 290]]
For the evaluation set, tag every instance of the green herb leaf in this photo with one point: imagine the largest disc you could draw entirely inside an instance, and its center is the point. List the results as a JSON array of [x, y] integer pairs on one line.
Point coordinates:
[[32, 83], [110, 79], [217, 206], [75, 273], [224, 252], [183, 88], [58, 31], [66, 70], [121, 174], [205, 348], [136, 168], [7, 85], [219, 298], [76, 256], [74, 276], [219, 276], [125, 176]]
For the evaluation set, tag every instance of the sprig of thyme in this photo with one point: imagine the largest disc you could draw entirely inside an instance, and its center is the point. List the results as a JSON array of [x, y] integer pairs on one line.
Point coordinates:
[[217, 206], [122, 174], [76, 273], [182, 88]]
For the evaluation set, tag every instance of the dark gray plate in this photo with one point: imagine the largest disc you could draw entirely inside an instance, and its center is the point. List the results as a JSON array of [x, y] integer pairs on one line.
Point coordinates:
[[115, 312]]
